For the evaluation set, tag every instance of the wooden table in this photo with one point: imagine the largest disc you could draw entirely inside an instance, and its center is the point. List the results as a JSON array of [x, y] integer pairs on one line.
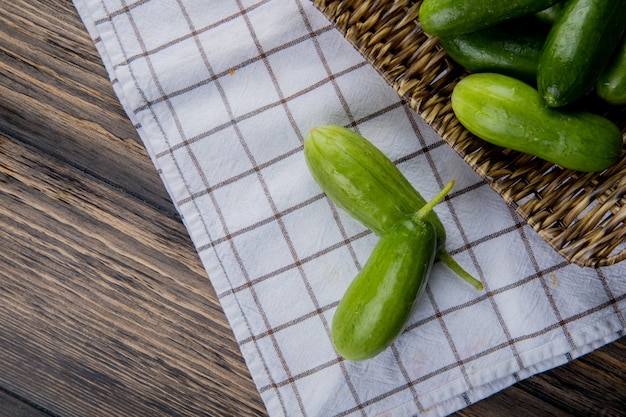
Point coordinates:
[[105, 308]]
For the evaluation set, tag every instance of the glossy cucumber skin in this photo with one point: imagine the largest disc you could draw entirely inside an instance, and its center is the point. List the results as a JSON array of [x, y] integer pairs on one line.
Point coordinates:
[[551, 14], [454, 17], [611, 85], [362, 181], [578, 47], [377, 305], [512, 48], [509, 113]]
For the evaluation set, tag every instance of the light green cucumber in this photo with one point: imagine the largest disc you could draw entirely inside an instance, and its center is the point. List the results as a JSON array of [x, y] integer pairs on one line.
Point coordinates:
[[360, 179], [509, 113], [378, 303]]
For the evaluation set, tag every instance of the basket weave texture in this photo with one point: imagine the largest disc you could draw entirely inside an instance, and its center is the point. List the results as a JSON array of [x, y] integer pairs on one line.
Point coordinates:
[[581, 215]]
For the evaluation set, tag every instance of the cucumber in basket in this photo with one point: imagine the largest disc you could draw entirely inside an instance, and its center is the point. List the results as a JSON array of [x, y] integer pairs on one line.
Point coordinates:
[[578, 48], [454, 17], [612, 83], [507, 112], [511, 48], [549, 15]]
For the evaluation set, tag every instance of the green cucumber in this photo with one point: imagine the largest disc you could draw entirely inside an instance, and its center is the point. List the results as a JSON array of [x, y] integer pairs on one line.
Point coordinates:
[[361, 180], [551, 14], [509, 113], [578, 47], [512, 48], [377, 305], [453, 17], [611, 85]]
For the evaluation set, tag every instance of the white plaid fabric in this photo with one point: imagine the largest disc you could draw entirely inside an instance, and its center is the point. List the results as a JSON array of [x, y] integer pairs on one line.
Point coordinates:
[[222, 94]]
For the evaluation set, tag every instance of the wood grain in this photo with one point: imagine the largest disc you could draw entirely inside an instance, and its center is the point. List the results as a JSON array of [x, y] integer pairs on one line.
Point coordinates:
[[592, 386], [105, 308], [58, 98], [17, 407]]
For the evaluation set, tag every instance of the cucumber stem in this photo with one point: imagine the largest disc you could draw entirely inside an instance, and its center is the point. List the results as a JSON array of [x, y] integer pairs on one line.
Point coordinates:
[[449, 261], [428, 207], [442, 255]]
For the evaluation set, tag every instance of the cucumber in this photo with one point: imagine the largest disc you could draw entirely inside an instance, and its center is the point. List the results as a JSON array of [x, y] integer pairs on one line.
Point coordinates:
[[362, 181], [377, 305], [611, 85], [507, 112], [549, 15], [454, 17], [578, 47], [512, 48]]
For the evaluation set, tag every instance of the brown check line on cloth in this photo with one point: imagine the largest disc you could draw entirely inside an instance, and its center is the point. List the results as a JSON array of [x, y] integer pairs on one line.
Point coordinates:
[[222, 94]]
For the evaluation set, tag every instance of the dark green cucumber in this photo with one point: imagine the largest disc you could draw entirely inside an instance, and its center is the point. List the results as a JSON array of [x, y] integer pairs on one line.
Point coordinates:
[[453, 17], [377, 305], [611, 85], [507, 112], [511, 48], [551, 14], [578, 48]]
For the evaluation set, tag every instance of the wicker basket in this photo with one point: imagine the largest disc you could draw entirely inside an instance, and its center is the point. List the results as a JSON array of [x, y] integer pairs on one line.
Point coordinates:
[[580, 215]]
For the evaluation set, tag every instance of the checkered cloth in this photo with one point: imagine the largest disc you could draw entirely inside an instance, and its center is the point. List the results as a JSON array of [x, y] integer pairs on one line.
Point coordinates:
[[222, 93]]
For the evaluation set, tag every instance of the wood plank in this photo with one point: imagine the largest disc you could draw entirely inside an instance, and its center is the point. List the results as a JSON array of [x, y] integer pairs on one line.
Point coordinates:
[[104, 304], [586, 387], [56, 96], [591, 386], [512, 402], [17, 407], [610, 359]]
